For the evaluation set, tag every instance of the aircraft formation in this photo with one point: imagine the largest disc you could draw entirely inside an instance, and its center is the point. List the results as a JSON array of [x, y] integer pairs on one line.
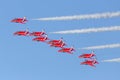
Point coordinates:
[[41, 36]]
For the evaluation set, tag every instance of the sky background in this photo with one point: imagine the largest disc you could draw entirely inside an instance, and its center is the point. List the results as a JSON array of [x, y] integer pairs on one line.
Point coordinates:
[[23, 59]]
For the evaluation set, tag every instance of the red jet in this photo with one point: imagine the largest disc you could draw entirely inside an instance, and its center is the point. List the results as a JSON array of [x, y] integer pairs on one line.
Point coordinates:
[[90, 62], [41, 38], [55, 41], [20, 20], [22, 33], [67, 50], [87, 55], [37, 33], [60, 45]]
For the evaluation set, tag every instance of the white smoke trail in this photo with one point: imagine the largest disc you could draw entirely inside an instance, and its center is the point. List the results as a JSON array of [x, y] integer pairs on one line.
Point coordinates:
[[102, 46], [80, 17], [112, 60], [89, 30]]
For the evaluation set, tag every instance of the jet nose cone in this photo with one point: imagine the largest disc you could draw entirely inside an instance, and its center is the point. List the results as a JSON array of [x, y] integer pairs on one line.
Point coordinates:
[[34, 39], [80, 56]]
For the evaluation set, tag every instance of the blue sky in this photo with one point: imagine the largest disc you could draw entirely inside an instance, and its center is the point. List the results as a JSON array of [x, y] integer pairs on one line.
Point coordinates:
[[23, 59]]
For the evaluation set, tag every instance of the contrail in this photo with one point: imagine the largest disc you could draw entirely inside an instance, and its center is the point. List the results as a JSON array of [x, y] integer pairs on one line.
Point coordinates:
[[81, 17], [89, 30], [112, 60], [102, 47]]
